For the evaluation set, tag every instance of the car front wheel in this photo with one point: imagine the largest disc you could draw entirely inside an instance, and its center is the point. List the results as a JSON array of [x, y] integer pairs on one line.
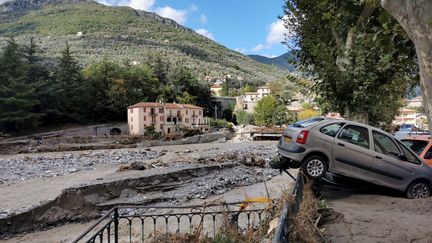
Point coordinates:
[[418, 189], [315, 167]]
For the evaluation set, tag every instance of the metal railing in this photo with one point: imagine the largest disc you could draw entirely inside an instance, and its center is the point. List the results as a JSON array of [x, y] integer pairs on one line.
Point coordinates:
[[137, 223], [289, 211]]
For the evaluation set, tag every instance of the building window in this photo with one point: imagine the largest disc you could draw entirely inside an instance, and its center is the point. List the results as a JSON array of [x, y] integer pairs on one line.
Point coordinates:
[[161, 110], [131, 110], [161, 127], [131, 118], [161, 118], [178, 113], [169, 130], [169, 119], [145, 125], [131, 127], [170, 113], [145, 118], [186, 112], [200, 112], [179, 119], [193, 113], [144, 109], [187, 120]]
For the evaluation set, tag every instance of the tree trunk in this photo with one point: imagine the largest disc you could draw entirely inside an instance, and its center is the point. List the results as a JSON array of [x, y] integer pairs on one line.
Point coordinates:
[[415, 16]]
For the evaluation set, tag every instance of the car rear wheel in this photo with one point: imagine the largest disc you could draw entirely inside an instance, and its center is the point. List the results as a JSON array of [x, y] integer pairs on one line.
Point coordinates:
[[315, 167], [418, 189]]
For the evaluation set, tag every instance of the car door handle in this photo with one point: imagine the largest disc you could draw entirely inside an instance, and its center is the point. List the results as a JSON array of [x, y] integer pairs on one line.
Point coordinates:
[[378, 157], [341, 144]]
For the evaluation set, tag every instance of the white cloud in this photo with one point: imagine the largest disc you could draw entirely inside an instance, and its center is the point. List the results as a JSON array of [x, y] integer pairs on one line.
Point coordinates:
[[141, 4], [276, 32], [180, 16], [203, 19], [205, 33], [260, 47], [193, 8], [241, 50], [275, 35]]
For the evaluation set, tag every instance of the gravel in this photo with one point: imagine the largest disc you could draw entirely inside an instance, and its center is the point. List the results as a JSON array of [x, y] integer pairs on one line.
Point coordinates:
[[43, 166]]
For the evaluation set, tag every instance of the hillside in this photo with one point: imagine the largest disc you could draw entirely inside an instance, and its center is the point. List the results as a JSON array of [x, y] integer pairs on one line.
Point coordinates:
[[96, 31], [282, 61]]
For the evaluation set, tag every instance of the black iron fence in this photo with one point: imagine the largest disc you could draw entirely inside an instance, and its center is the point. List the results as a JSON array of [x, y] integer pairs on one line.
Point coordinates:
[[289, 211], [138, 223]]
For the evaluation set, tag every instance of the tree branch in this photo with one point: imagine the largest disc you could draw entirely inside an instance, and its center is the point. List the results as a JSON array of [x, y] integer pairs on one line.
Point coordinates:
[[337, 38], [368, 9]]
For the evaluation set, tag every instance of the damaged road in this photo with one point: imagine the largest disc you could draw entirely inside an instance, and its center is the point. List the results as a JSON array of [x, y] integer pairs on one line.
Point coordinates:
[[168, 176]]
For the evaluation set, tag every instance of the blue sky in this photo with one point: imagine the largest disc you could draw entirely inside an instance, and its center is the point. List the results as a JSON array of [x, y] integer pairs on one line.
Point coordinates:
[[248, 26]]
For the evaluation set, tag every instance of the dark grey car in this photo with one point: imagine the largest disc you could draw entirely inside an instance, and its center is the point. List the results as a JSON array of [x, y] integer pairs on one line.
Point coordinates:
[[355, 150]]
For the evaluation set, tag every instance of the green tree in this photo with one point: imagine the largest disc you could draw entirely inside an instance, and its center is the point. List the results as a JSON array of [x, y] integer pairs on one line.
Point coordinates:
[[264, 111], [361, 60], [415, 17], [17, 97], [46, 90], [244, 118], [281, 116], [70, 81], [99, 81]]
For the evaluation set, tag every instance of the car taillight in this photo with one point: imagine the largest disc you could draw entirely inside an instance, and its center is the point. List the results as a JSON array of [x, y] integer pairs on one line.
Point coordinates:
[[302, 137]]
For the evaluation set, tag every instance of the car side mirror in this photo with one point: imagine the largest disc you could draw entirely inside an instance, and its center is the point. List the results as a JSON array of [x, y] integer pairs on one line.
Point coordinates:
[[428, 155]]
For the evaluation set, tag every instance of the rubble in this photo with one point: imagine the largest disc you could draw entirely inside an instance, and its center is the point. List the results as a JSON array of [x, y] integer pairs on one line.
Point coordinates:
[[24, 168]]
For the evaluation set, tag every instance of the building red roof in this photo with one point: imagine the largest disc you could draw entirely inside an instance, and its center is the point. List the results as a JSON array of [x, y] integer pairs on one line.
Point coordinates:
[[216, 86], [165, 105]]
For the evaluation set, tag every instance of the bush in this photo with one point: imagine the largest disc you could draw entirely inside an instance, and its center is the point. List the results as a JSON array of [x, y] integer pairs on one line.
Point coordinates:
[[151, 132]]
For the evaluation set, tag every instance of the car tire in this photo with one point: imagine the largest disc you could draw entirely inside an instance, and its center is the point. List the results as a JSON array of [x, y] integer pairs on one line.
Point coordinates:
[[314, 167], [418, 189]]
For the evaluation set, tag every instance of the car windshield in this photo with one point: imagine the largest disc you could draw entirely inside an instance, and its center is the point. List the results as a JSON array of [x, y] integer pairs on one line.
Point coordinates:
[[308, 122], [415, 145]]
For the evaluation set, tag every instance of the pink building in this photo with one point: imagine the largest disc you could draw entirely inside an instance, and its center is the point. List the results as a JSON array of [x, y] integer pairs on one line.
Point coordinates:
[[166, 118]]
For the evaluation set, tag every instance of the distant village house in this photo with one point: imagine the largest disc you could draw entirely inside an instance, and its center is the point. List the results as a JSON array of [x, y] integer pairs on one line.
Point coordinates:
[[166, 118]]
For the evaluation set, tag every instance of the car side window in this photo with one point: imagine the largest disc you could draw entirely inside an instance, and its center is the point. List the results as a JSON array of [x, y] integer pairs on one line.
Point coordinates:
[[356, 135], [408, 154], [384, 144], [428, 154], [332, 129]]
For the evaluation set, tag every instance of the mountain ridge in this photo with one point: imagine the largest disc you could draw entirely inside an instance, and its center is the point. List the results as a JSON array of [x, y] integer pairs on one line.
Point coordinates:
[[282, 61], [96, 31]]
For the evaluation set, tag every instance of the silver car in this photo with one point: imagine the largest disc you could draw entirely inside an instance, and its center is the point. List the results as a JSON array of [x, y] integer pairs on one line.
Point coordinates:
[[356, 150]]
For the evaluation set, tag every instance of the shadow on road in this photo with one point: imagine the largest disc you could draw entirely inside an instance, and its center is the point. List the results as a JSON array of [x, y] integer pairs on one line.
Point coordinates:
[[338, 187]]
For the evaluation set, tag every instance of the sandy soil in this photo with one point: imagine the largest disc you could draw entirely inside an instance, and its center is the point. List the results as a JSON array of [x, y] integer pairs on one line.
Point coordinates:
[[368, 213]]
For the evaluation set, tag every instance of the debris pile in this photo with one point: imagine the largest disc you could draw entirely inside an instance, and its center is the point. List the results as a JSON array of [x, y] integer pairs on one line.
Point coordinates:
[[24, 168]]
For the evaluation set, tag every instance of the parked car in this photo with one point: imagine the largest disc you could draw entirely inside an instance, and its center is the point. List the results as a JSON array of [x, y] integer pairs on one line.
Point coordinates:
[[407, 130], [355, 150], [421, 145]]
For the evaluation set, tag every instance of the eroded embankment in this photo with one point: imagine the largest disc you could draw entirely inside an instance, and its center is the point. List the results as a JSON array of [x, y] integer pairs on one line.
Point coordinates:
[[174, 185]]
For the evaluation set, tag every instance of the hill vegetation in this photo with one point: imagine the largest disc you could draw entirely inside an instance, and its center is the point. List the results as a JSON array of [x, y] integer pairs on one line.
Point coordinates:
[[96, 31]]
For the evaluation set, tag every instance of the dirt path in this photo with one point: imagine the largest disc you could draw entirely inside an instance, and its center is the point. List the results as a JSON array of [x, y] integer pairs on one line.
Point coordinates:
[[366, 213]]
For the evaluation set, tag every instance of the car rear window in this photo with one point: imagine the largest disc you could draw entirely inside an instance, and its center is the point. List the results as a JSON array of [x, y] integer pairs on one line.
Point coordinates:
[[308, 122], [415, 145]]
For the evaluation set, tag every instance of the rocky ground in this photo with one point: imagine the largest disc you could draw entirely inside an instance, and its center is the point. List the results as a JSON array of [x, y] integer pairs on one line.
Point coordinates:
[[36, 166], [31, 180]]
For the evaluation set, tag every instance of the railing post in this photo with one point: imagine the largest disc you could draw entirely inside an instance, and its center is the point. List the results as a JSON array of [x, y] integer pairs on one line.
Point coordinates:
[[116, 225]]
